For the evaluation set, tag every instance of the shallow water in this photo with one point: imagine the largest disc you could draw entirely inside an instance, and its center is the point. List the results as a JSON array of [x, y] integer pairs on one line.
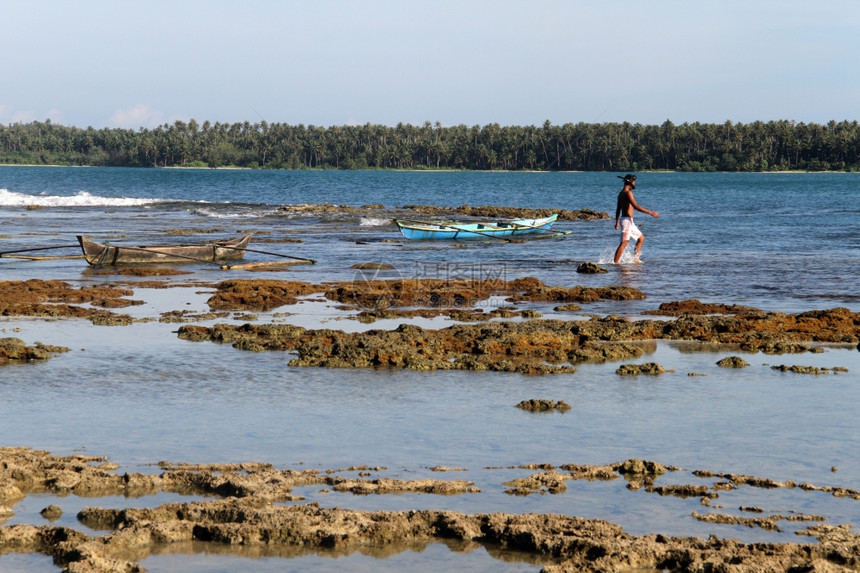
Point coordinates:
[[199, 557], [166, 399], [138, 394]]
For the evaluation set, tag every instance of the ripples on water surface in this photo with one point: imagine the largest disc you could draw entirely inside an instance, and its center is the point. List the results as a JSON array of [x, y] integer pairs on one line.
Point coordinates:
[[780, 241], [783, 242]]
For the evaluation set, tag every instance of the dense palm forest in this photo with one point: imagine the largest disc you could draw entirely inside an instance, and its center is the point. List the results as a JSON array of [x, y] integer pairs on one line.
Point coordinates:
[[757, 146]]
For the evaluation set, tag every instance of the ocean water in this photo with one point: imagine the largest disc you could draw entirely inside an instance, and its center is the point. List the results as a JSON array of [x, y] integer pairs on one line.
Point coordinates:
[[138, 394], [781, 241]]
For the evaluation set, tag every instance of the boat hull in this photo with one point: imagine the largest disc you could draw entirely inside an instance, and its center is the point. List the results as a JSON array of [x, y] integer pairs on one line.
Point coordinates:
[[424, 231], [100, 254]]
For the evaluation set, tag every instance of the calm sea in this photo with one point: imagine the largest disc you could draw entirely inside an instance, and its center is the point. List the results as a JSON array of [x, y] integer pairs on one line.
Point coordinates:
[[779, 242]]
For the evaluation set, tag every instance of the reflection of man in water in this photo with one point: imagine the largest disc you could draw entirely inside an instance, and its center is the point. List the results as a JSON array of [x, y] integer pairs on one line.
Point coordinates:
[[624, 218]]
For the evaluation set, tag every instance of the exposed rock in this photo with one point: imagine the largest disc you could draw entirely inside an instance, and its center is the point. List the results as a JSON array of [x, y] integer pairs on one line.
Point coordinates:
[[254, 517], [733, 362], [694, 307], [592, 473], [534, 347], [681, 490], [492, 211], [650, 368], [371, 266], [53, 299], [324, 207], [639, 467], [15, 350], [590, 268], [25, 471], [530, 289], [386, 485], [797, 369], [150, 271], [529, 347], [550, 481], [751, 329], [260, 295], [768, 522], [52, 512], [543, 405], [770, 332], [5, 512], [570, 543]]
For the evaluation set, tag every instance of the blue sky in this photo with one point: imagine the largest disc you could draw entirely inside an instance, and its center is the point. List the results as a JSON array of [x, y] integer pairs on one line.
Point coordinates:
[[119, 63]]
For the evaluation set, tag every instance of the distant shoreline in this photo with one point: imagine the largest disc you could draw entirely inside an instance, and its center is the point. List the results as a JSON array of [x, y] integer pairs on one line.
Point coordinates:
[[411, 170], [619, 147]]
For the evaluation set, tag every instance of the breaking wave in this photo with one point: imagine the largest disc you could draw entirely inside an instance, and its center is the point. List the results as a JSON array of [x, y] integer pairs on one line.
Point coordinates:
[[233, 211], [374, 222], [81, 199]]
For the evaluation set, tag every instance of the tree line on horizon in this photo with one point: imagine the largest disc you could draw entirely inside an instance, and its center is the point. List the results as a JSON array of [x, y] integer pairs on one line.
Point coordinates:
[[758, 146]]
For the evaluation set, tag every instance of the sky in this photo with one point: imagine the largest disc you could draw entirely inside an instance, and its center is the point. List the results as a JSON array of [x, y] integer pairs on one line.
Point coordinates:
[[124, 64]]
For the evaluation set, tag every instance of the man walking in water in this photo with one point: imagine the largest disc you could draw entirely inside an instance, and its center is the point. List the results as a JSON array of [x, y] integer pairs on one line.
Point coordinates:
[[624, 218]]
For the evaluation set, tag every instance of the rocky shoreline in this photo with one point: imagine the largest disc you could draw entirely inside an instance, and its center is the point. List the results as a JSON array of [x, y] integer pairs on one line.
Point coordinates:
[[250, 512], [249, 508], [531, 345]]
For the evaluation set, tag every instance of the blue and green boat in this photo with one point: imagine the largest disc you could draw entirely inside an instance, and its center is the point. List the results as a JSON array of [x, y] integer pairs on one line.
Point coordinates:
[[454, 230]]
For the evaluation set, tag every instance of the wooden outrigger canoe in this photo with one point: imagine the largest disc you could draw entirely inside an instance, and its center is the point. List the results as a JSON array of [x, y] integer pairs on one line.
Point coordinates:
[[434, 230], [99, 254]]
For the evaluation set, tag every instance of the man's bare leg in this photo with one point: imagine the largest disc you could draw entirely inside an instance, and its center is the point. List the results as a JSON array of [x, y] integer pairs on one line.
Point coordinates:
[[638, 249], [620, 251]]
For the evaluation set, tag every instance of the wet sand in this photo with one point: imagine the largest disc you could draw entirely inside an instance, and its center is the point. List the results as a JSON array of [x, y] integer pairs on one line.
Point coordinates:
[[248, 511]]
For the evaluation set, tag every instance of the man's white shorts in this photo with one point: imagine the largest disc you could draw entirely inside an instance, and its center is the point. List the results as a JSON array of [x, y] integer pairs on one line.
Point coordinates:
[[629, 230]]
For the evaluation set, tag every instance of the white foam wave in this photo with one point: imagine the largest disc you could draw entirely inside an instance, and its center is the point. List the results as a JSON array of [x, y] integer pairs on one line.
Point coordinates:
[[374, 222], [81, 199], [235, 212], [214, 214]]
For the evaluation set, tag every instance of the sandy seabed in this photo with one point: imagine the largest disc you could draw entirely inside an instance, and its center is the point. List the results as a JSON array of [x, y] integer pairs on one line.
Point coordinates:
[[249, 507]]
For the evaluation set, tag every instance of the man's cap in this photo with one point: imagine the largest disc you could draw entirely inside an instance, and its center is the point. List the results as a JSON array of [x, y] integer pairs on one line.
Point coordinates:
[[629, 178]]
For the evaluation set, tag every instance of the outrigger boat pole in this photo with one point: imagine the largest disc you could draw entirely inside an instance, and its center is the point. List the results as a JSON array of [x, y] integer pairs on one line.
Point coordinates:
[[306, 260], [36, 249]]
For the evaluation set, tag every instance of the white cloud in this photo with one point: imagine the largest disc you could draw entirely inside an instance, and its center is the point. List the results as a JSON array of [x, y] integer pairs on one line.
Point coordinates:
[[56, 116], [23, 116], [10, 115], [140, 115]]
